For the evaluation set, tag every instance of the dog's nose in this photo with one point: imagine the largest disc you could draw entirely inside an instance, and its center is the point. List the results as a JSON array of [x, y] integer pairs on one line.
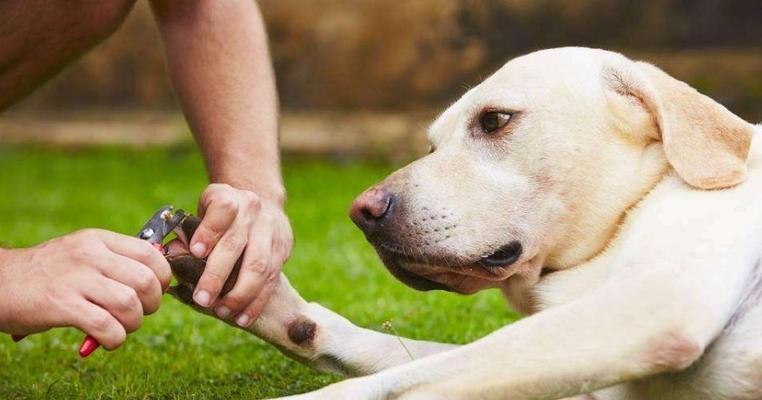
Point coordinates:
[[371, 207]]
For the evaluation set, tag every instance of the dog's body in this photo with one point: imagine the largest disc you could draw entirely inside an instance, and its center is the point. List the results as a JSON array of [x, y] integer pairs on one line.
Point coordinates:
[[613, 203], [671, 221]]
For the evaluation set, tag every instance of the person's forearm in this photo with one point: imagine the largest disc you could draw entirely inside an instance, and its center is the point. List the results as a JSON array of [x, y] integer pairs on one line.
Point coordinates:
[[220, 65]]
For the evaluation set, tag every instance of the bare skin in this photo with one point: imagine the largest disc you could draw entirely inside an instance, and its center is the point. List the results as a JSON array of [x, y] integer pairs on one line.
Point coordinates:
[[98, 281], [227, 88], [219, 62]]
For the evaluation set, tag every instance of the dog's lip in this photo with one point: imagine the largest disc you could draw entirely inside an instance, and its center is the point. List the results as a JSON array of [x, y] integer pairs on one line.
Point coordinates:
[[427, 282], [431, 267], [411, 279]]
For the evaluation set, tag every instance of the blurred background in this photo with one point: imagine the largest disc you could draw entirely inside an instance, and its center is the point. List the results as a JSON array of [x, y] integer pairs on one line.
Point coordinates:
[[364, 77]]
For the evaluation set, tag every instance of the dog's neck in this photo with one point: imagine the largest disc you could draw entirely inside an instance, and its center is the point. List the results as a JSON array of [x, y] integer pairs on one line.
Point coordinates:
[[594, 216], [521, 292], [519, 289]]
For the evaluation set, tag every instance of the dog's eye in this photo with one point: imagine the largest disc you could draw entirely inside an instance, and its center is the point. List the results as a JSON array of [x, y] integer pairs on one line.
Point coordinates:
[[493, 120]]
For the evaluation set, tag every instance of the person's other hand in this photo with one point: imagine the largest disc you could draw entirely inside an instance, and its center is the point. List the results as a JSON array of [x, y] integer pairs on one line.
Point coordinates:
[[98, 281], [237, 223]]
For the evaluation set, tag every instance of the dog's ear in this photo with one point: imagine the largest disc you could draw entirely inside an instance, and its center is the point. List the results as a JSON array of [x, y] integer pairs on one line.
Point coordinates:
[[706, 144]]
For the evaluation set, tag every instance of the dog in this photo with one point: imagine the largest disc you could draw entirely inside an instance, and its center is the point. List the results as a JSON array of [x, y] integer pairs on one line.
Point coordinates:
[[612, 203]]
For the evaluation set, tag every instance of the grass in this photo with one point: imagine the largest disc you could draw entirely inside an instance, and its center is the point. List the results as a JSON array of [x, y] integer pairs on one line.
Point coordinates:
[[178, 353]]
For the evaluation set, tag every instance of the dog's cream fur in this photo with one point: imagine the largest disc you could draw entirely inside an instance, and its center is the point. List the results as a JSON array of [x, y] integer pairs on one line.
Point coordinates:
[[636, 201]]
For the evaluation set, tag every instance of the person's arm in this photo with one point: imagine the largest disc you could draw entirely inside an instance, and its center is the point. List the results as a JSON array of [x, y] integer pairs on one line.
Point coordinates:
[[220, 65]]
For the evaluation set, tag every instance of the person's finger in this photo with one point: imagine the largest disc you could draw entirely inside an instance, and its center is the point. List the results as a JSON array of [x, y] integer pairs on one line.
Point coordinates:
[[253, 310], [98, 323], [142, 252], [246, 289], [255, 266], [282, 246], [220, 263], [140, 278], [218, 207], [120, 300]]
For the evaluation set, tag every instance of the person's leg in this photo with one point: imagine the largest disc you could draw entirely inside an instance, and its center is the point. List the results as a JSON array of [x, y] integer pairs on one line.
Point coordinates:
[[38, 38]]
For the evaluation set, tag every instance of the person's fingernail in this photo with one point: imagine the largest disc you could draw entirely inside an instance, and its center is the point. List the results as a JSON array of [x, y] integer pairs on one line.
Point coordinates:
[[242, 320], [198, 249], [222, 311], [202, 298]]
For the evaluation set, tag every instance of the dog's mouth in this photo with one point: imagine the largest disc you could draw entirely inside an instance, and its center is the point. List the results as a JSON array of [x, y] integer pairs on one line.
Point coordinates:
[[442, 272]]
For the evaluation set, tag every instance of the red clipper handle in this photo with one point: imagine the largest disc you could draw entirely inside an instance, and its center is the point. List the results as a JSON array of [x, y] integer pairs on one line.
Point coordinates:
[[89, 345]]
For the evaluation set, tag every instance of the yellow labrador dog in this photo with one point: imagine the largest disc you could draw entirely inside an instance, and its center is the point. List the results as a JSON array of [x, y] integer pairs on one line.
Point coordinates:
[[616, 205]]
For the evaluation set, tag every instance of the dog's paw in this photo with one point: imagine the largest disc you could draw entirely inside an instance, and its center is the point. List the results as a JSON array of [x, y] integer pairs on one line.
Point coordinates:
[[188, 269]]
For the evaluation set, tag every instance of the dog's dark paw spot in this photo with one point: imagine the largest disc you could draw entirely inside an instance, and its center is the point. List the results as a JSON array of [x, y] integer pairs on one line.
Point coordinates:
[[301, 332]]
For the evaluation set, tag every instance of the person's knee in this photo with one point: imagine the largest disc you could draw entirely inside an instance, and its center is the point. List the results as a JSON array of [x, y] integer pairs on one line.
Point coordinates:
[[101, 18]]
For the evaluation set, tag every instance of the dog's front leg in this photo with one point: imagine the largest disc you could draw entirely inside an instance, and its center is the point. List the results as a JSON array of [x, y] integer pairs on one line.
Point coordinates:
[[305, 331], [323, 339], [649, 320]]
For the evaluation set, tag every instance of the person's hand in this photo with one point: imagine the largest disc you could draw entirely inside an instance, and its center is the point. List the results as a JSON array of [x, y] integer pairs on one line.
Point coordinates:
[[98, 281], [238, 223]]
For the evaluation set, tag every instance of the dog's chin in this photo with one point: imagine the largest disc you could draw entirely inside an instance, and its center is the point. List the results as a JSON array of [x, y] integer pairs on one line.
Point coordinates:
[[464, 279]]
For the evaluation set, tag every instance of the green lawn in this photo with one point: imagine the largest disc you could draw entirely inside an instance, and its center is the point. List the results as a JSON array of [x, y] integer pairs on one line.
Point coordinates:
[[181, 354]]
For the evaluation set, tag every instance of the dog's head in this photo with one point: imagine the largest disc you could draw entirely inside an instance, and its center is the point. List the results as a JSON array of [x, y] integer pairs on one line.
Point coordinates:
[[536, 166]]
